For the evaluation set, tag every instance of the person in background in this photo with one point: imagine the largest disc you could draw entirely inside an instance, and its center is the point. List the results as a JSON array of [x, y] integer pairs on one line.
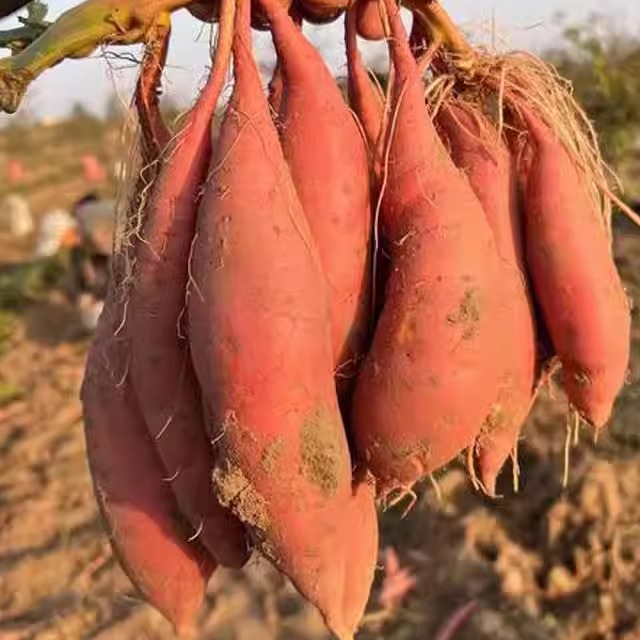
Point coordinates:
[[91, 255], [56, 231], [15, 216]]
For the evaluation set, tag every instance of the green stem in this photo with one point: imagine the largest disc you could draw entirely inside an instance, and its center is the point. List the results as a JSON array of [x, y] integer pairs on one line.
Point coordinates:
[[438, 25], [76, 34]]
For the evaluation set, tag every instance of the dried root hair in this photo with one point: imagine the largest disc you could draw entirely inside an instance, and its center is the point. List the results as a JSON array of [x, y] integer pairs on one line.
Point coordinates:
[[519, 77], [145, 135], [135, 185], [497, 83]]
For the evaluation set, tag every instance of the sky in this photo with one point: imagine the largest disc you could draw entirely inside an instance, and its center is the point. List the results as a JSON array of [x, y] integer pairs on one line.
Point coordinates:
[[512, 23]]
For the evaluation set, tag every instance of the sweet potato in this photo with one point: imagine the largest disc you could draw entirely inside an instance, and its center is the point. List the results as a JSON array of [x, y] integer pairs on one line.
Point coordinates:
[[161, 370], [332, 181], [369, 22], [367, 102], [145, 527], [574, 277], [431, 374], [476, 148], [364, 97], [260, 319]]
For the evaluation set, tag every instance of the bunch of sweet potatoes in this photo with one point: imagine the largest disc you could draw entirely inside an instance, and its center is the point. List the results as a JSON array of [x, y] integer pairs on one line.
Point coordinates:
[[322, 304]]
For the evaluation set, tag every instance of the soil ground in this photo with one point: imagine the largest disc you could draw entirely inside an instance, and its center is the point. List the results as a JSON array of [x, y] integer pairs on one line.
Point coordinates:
[[550, 563]]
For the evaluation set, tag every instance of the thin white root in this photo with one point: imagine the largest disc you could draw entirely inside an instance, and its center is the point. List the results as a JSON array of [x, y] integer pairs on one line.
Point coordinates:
[[567, 453], [436, 489], [171, 478], [178, 398], [402, 493], [515, 465], [577, 423], [162, 431], [197, 533], [414, 498], [471, 467], [191, 282]]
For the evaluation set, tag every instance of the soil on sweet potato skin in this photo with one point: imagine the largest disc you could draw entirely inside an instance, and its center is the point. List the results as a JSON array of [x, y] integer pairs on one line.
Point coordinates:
[[551, 563]]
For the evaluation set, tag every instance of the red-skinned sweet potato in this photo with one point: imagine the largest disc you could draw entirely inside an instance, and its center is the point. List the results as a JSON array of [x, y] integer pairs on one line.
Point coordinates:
[[583, 304], [364, 97], [161, 371], [261, 321], [146, 529], [332, 181], [477, 149], [145, 526], [367, 102], [431, 374]]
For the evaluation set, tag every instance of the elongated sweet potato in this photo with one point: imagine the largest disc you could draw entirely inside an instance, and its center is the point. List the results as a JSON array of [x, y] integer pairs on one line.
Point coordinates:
[[574, 277], [161, 369], [146, 529], [431, 374], [365, 99], [367, 102], [260, 320], [476, 148], [332, 181]]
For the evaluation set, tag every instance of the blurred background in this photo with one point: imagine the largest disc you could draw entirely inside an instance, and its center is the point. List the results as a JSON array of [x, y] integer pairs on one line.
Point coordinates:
[[551, 562]]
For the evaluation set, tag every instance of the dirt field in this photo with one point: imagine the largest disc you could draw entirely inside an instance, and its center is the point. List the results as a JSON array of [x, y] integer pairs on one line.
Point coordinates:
[[546, 564]]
